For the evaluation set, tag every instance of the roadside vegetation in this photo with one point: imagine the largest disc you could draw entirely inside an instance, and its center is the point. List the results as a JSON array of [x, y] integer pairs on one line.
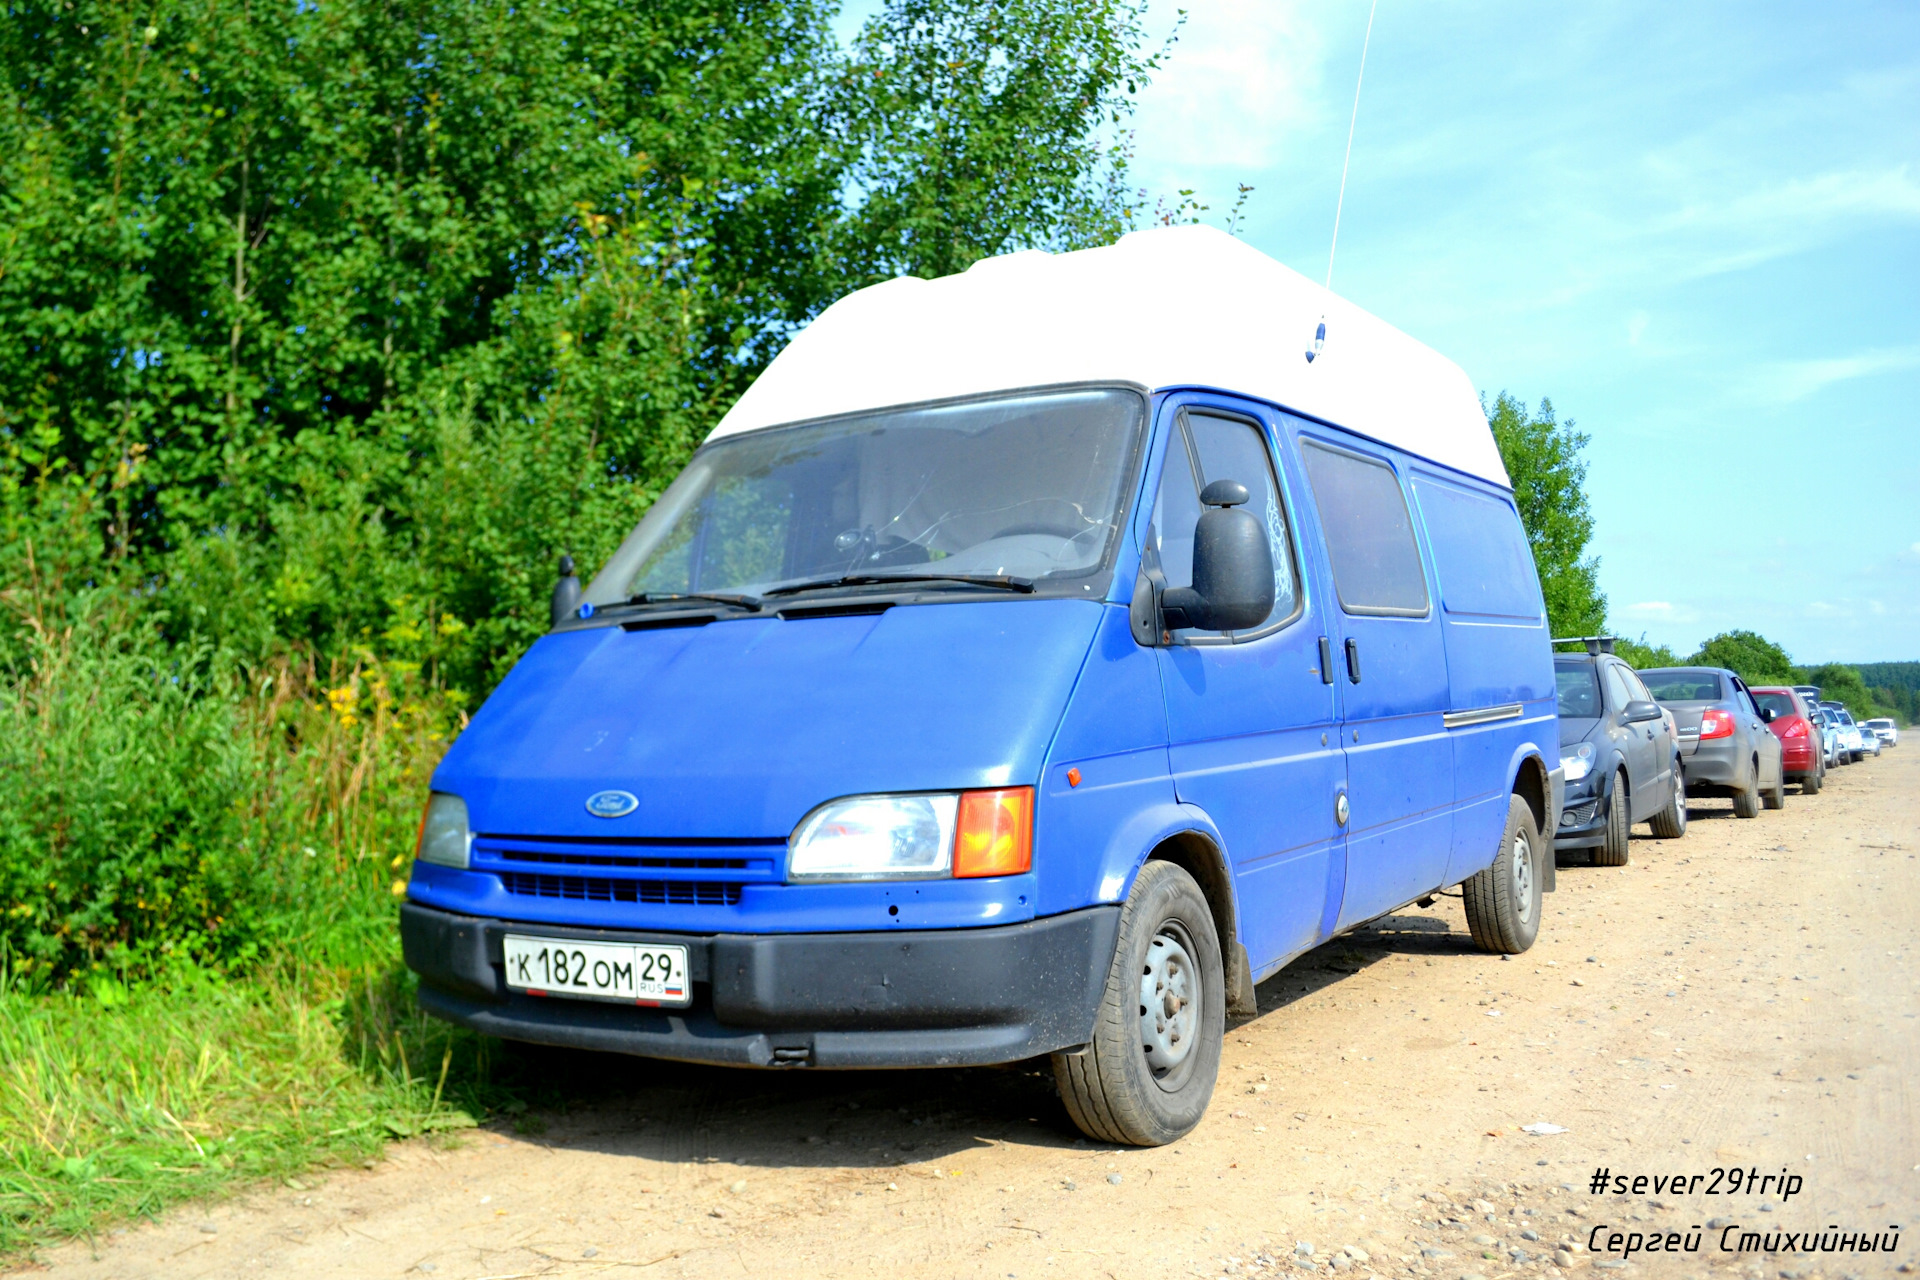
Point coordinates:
[[329, 328]]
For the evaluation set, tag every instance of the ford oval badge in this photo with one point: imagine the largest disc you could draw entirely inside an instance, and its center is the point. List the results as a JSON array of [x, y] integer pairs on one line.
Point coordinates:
[[612, 804]]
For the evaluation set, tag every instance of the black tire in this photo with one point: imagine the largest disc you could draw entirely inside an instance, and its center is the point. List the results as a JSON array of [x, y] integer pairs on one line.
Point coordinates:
[[1775, 797], [1746, 801], [1615, 852], [1811, 784], [1113, 1089], [1671, 822], [1503, 901]]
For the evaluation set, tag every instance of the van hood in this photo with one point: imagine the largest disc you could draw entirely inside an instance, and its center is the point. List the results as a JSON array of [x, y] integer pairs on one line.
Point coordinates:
[[735, 729]]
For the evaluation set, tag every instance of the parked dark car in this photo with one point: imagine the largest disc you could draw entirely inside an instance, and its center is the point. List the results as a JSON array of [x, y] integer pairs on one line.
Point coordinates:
[[1621, 760], [1725, 746], [1800, 749]]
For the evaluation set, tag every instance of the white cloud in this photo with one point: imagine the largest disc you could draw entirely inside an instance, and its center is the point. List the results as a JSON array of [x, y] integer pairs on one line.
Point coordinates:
[[1790, 380], [1242, 83], [1652, 608]]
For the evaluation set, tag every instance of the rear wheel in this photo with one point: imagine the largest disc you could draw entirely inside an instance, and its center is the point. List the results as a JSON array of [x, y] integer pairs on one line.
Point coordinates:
[[1503, 902], [1149, 1072], [1810, 785], [1746, 801], [1615, 852], [1671, 822]]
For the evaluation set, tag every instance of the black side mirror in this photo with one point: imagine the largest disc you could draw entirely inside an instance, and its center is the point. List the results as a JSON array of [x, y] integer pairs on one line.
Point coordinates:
[[1640, 709], [1767, 714], [1232, 567], [566, 592]]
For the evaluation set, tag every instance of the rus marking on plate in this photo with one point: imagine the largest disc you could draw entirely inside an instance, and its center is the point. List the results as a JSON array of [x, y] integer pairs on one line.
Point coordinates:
[[612, 804]]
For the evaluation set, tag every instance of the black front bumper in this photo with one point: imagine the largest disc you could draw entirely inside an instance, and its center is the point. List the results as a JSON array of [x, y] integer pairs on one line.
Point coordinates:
[[926, 998]]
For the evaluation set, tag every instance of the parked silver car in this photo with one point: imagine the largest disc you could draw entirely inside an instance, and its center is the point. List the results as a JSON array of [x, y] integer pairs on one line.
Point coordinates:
[[1886, 730], [1725, 745]]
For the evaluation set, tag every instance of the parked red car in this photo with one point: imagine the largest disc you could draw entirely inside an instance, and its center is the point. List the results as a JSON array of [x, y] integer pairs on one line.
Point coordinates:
[[1801, 758]]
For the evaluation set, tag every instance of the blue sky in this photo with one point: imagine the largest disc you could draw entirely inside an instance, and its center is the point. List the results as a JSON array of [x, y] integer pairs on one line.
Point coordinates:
[[1695, 227]]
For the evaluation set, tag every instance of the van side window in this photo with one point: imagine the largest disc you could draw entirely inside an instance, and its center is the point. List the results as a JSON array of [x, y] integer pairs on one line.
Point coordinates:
[[1480, 552], [1376, 563], [1227, 449], [1176, 509], [1234, 450]]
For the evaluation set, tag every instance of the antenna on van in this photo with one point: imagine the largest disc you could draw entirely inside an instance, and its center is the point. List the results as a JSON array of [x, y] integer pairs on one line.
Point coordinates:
[[1340, 203]]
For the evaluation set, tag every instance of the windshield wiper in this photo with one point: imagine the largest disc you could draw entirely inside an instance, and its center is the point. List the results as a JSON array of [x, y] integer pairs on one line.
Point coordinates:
[[736, 599], [998, 581]]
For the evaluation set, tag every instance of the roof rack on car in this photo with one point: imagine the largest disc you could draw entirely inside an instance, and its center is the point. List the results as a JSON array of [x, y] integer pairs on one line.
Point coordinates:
[[1596, 645]]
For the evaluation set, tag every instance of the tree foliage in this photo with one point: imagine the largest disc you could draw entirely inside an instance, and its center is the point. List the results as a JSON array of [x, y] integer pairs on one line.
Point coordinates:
[[1749, 655], [1542, 457], [331, 324], [328, 325]]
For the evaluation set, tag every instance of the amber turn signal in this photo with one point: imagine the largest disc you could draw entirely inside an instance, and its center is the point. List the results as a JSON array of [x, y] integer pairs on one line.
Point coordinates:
[[995, 836]]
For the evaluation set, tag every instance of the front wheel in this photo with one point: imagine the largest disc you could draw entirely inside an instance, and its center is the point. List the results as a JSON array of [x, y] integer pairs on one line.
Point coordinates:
[[1775, 797], [1671, 822], [1503, 902], [1617, 849], [1149, 1072]]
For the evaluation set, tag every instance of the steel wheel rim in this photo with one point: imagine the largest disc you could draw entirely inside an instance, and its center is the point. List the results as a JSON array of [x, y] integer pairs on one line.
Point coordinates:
[[1170, 1004], [1522, 873]]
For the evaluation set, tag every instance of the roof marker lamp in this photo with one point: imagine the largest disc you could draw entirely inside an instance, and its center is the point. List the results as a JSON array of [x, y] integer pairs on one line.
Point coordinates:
[[444, 838], [1577, 762], [1715, 723]]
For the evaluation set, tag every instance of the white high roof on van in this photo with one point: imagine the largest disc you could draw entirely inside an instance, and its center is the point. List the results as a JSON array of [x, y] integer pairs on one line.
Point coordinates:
[[1169, 307]]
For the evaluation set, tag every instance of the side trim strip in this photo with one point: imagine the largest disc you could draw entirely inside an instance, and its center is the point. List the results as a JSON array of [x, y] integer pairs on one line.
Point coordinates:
[[1483, 715]]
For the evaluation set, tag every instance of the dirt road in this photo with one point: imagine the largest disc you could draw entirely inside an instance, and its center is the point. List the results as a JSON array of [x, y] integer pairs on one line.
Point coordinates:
[[1746, 997]]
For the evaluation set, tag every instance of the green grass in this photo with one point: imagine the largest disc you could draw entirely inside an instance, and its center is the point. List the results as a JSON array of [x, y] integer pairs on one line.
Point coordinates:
[[122, 1103]]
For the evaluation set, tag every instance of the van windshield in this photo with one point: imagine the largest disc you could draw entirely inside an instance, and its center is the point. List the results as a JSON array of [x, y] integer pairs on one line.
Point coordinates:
[[1030, 486]]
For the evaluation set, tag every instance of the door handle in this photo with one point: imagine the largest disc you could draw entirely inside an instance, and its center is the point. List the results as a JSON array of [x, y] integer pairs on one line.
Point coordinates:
[[1326, 660], [1353, 660]]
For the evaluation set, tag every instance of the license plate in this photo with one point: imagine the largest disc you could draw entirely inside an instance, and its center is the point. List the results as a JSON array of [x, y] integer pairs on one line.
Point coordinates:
[[650, 974]]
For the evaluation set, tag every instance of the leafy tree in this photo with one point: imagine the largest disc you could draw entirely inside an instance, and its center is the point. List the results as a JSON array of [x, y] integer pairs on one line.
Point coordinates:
[[1842, 683], [1642, 656], [330, 325], [1748, 655], [1542, 456]]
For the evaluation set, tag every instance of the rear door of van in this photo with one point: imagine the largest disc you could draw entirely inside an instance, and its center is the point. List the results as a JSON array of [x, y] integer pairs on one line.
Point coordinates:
[[1392, 674], [1253, 737], [1499, 660]]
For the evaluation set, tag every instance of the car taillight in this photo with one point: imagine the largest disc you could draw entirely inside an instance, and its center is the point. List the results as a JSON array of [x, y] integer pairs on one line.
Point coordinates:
[[1796, 728], [1716, 724]]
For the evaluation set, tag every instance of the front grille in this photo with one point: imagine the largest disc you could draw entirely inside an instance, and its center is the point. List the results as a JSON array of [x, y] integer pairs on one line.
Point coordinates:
[[617, 860], [702, 893]]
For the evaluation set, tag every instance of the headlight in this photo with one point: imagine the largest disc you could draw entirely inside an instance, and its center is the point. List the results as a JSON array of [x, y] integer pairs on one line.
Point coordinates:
[[1578, 762], [875, 838], [444, 838]]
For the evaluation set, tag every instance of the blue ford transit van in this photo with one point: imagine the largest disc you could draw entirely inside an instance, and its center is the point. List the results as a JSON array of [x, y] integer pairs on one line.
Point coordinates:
[[1031, 662]]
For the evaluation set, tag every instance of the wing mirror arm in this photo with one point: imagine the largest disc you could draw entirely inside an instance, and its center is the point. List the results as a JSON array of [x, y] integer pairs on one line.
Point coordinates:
[[566, 593]]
